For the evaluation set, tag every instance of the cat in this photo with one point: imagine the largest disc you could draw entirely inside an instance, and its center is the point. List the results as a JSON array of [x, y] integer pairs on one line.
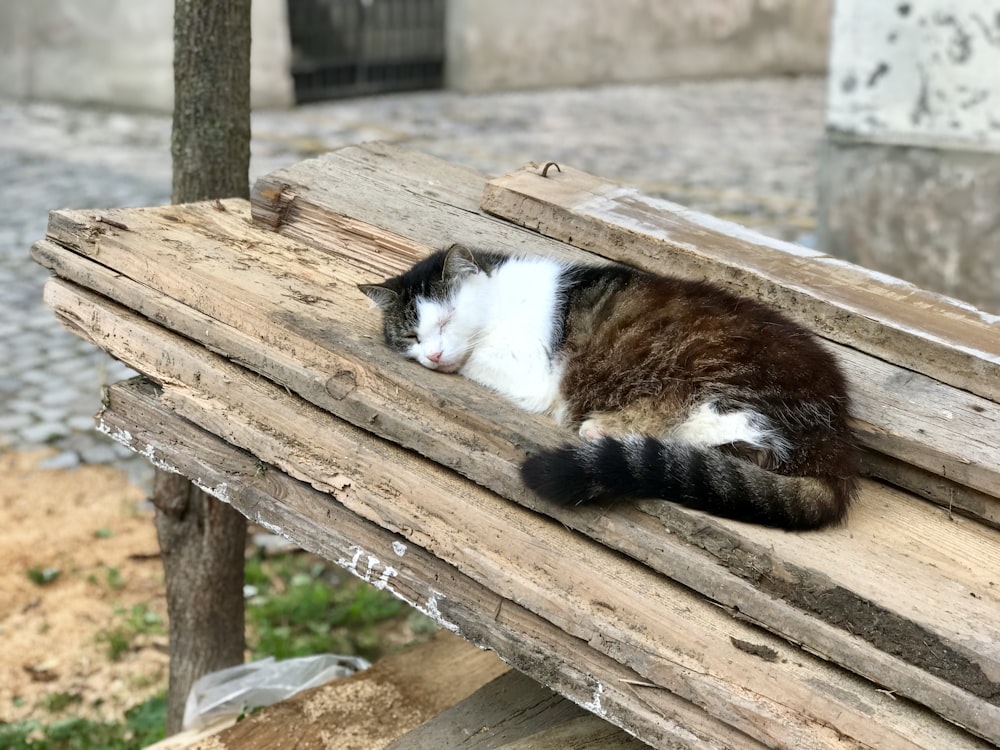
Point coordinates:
[[679, 389]]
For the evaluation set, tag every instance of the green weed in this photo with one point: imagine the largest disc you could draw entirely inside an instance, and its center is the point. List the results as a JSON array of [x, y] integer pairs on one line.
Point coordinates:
[[56, 702], [301, 607], [137, 620], [143, 725]]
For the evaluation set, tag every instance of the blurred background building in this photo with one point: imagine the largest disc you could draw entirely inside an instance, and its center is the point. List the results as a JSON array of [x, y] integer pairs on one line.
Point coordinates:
[[910, 169], [119, 52]]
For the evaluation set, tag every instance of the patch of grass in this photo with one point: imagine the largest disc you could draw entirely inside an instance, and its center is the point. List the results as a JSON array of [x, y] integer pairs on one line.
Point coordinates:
[[114, 579], [301, 607], [56, 702], [133, 622], [143, 725]]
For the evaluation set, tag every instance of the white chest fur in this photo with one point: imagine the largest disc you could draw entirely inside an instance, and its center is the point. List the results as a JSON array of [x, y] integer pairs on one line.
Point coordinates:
[[512, 351]]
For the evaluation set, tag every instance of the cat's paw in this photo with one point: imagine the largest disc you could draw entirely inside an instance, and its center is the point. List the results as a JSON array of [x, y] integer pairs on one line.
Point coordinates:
[[592, 429]]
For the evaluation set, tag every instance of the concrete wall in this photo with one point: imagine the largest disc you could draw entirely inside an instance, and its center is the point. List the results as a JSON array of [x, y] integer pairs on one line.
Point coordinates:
[[120, 52], [910, 178], [538, 43], [924, 72]]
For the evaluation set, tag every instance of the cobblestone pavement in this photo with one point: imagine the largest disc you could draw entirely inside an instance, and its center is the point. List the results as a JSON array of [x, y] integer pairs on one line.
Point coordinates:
[[744, 150]]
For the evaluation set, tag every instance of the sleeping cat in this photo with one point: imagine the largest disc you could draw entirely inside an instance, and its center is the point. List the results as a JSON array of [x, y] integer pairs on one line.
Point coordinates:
[[678, 389]]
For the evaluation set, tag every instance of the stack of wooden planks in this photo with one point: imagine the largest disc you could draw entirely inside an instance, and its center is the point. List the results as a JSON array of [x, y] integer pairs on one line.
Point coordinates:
[[274, 391]]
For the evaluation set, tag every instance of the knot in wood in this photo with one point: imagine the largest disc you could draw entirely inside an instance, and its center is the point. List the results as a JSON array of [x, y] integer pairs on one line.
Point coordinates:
[[341, 383]]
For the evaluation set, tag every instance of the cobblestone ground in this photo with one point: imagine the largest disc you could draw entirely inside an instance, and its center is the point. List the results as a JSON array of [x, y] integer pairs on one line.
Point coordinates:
[[744, 150]]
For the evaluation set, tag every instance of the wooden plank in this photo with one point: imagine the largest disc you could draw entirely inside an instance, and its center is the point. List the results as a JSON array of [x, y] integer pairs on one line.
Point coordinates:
[[135, 416], [932, 583], [946, 339], [584, 733], [403, 686], [624, 610], [515, 711], [950, 435]]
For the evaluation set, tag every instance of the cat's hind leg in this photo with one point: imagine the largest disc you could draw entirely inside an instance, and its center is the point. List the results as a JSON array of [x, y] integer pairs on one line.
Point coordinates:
[[742, 432], [654, 417]]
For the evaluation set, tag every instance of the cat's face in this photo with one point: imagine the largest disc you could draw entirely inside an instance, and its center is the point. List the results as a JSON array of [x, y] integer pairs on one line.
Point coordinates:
[[429, 312]]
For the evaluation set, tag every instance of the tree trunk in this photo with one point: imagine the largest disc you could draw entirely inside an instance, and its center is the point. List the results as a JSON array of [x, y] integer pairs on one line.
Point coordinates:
[[210, 143], [202, 539]]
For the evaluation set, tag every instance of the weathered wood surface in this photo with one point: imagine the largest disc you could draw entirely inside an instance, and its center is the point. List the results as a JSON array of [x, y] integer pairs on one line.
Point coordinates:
[[463, 546], [304, 441], [476, 434], [369, 709], [512, 712], [916, 610], [135, 415], [920, 422], [925, 332], [929, 581]]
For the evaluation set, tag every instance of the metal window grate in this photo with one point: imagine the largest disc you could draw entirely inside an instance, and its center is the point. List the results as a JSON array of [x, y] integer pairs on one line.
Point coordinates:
[[353, 47]]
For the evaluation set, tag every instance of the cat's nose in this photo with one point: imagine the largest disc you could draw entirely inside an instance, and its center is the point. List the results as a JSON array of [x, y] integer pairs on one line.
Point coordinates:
[[434, 357]]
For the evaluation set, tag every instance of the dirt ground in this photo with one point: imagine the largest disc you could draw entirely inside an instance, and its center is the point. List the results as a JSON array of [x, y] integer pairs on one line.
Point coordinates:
[[88, 530]]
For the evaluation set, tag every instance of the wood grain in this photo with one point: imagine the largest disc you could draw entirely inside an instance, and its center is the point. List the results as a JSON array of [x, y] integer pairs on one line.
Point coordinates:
[[283, 430], [213, 290], [512, 712], [621, 610], [135, 416]]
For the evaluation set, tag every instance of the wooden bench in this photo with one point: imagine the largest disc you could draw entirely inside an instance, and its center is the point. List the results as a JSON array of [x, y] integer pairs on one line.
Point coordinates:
[[271, 388]]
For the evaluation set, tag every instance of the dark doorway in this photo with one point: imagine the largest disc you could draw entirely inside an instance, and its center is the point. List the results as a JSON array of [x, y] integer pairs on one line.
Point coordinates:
[[352, 47]]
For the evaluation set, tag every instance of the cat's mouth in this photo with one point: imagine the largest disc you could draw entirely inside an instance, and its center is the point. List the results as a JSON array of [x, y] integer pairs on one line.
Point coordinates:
[[448, 366]]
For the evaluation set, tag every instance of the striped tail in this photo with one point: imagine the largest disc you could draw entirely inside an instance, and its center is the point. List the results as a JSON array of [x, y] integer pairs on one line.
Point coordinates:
[[701, 478]]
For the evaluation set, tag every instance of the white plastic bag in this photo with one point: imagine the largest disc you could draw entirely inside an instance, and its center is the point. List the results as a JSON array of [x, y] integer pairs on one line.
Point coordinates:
[[235, 690]]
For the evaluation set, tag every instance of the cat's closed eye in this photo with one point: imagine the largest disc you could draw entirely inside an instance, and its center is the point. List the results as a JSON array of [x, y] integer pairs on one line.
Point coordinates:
[[412, 337]]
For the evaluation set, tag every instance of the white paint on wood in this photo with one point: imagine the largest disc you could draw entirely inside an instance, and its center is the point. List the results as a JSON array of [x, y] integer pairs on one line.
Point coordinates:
[[273, 528], [594, 704], [608, 205], [611, 207], [432, 610], [147, 451], [399, 548], [379, 576]]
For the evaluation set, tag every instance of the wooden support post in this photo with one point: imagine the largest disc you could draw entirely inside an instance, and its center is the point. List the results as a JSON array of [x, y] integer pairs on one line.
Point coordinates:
[[202, 539]]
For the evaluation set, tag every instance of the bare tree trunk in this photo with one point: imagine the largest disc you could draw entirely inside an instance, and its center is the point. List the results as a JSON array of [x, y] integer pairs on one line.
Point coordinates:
[[202, 541], [210, 144], [201, 538]]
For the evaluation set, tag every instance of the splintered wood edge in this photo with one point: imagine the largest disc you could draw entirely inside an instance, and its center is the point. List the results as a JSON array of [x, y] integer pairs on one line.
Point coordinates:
[[889, 318]]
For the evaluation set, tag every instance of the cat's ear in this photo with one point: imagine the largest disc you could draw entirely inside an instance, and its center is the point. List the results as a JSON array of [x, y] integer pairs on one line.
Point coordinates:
[[459, 262], [382, 296]]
